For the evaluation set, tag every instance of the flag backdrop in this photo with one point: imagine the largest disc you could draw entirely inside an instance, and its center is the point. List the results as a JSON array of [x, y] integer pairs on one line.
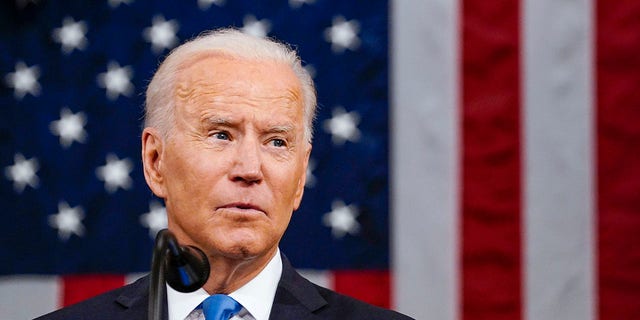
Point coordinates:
[[80, 218], [514, 163], [472, 159]]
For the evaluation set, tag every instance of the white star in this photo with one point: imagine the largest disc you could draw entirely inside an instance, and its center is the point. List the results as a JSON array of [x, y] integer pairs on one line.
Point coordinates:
[[343, 34], [342, 219], [23, 173], [155, 219], [67, 221], [115, 173], [70, 127], [298, 3], [257, 28], [161, 34], [343, 126], [116, 80], [311, 179], [206, 4], [71, 35], [24, 80], [116, 3]]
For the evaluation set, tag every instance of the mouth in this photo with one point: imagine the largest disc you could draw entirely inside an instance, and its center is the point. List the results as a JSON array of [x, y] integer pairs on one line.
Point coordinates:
[[242, 207]]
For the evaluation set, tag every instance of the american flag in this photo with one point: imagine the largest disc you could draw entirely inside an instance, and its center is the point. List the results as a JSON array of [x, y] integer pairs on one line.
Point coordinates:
[[472, 159], [80, 218]]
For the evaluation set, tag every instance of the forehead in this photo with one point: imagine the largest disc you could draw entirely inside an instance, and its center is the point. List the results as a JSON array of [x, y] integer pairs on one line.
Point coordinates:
[[210, 84], [214, 85], [217, 73]]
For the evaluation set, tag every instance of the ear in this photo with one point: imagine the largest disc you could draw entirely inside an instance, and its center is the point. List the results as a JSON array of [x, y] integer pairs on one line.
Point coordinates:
[[152, 146], [303, 179]]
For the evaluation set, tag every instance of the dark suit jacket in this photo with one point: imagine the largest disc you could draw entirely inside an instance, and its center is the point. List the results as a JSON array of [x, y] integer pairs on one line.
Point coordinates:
[[296, 299]]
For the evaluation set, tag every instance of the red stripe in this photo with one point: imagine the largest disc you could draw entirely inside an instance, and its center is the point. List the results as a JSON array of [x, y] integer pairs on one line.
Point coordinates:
[[491, 193], [618, 158], [76, 288], [369, 286]]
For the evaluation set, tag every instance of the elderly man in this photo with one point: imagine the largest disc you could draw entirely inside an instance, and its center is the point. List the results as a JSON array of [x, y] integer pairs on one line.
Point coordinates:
[[226, 144]]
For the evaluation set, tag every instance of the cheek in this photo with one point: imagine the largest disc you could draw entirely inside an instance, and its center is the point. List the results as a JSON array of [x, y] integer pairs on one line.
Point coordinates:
[[187, 165], [286, 187], [189, 179]]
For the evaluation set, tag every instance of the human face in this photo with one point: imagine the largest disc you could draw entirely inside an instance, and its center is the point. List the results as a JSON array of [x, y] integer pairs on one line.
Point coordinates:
[[232, 170]]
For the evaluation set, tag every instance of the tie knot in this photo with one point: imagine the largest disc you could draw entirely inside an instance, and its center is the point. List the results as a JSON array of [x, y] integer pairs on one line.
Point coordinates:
[[220, 307]]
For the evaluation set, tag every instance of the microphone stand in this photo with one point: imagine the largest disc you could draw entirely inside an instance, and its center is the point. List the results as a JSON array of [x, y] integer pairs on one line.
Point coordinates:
[[185, 269], [157, 289]]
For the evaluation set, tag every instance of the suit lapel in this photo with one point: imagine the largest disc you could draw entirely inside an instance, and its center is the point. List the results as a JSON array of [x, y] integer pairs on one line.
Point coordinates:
[[135, 299], [296, 297]]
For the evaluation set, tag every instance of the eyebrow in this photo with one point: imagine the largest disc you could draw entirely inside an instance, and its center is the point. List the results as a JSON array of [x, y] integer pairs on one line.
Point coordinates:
[[220, 121], [217, 121], [280, 129]]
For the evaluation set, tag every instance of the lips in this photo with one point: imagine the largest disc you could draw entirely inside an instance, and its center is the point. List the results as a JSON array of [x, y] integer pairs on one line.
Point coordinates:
[[242, 206]]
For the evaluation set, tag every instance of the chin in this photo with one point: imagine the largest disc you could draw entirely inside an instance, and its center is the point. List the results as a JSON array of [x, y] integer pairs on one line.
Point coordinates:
[[243, 249]]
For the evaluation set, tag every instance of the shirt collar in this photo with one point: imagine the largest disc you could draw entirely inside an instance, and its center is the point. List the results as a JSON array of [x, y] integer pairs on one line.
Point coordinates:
[[256, 295]]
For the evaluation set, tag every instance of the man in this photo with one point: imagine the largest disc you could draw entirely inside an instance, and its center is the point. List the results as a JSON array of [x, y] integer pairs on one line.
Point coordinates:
[[226, 144]]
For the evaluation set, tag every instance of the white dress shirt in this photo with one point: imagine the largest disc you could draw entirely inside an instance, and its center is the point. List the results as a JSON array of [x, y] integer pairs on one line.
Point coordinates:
[[256, 296]]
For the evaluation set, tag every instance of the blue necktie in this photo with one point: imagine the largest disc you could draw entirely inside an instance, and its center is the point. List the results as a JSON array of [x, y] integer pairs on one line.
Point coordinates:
[[220, 307]]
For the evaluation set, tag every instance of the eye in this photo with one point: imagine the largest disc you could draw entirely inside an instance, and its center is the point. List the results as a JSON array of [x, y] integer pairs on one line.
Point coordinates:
[[221, 136], [278, 143]]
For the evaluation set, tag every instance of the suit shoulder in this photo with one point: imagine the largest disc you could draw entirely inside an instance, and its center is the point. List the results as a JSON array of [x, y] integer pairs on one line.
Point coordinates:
[[113, 304], [86, 309], [345, 307]]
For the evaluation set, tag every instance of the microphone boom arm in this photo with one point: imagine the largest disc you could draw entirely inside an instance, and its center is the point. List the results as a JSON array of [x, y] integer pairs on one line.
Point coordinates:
[[185, 269]]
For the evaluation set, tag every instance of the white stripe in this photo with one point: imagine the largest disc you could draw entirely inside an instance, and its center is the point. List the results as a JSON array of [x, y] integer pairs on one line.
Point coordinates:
[[26, 297], [424, 176], [559, 148]]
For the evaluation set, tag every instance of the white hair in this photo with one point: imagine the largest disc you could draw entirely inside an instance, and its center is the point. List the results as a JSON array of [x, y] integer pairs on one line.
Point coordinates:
[[160, 103]]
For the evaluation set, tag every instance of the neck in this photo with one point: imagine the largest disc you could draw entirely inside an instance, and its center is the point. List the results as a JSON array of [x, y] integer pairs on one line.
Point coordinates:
[[229, 274]]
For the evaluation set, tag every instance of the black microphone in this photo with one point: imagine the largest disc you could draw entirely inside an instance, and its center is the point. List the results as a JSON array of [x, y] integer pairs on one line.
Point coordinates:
[[185, 269]]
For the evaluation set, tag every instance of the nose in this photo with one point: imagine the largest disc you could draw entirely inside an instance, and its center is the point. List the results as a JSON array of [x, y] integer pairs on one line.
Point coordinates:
[[247, 164]]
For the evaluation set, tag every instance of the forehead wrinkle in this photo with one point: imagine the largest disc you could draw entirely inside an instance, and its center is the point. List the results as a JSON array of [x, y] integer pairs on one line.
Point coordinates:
[[191, 84], [189, 80], [202, 91], [293, 96], [196, 88]]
